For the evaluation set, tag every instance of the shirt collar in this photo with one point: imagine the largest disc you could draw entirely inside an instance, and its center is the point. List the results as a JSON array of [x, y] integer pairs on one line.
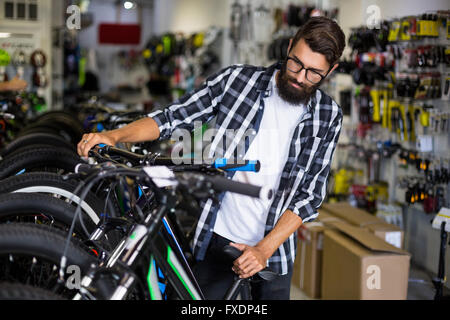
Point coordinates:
[[264, 84]]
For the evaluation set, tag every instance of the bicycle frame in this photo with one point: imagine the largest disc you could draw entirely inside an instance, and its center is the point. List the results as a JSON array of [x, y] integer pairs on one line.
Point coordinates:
[[165, 254]]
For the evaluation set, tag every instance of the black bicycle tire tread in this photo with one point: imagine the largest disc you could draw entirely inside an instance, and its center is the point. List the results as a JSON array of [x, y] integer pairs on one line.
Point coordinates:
[[44, 242], [27, 131], [69, 116], [75, 134], [13, 183], [25, 203], [19, 291], [25, 149], [35, 157], [53, 113], [35, 139], [63, 117]]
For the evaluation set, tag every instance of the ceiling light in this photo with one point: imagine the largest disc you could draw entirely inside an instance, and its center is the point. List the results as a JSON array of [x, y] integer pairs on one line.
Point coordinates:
[[5, 34]]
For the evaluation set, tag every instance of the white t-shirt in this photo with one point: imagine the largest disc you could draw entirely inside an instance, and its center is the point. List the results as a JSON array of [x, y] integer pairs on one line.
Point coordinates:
[[240, 218]]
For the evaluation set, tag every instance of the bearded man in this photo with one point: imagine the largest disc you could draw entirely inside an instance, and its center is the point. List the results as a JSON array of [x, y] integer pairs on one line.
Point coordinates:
[[294, 128]]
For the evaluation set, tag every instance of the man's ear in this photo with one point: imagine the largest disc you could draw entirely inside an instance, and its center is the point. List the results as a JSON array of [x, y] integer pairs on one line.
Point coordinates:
[[334, 67]]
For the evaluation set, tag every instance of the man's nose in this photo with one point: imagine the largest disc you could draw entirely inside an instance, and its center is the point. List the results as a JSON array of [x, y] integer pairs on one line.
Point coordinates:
[[301, 76]]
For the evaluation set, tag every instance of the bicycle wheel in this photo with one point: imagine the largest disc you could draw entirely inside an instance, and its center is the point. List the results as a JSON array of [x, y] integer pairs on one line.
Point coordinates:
[[18, 291], [39, 159], [36, 139], [41, 129], [51, 183], [68, 118], [64, 121], [58, 128], [41, 209], [31, 254]]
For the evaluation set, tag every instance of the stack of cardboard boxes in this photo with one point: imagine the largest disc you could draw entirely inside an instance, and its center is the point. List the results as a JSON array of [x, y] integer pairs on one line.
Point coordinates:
[[350, 254]]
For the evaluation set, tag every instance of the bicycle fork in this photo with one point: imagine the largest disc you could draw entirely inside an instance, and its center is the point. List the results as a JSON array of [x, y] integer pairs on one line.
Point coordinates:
[[126, 252]]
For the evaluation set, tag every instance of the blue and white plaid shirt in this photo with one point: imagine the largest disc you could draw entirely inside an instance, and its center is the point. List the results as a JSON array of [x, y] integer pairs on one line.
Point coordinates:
[[235, 98]]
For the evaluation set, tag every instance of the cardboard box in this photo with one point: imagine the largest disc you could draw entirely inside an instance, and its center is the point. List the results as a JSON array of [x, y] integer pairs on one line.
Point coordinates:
[[356, 264], [389, 233], [307, 271], [327, 218], [355, 216]]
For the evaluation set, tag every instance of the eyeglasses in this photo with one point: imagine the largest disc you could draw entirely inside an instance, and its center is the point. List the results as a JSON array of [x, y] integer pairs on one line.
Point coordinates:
[[296, 66]]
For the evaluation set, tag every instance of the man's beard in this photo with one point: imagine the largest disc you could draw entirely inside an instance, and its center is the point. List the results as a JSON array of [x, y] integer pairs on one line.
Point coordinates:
[[290, 94]]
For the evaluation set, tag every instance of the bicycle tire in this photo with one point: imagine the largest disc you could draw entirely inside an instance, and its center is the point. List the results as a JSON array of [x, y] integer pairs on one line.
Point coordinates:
[[51, 127], [40, 129], [36, 139], [64, 120], [19, 291], [19, 242], [60, 114], [51, 183], [35, 205], [39, 158], [25, 148]]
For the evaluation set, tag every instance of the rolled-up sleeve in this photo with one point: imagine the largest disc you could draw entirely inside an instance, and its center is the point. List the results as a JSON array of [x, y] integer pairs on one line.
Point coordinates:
[[198, 105], [312, 189]]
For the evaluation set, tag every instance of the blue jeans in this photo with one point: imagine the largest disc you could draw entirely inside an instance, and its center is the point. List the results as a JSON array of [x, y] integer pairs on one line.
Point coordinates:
[[215, 276]]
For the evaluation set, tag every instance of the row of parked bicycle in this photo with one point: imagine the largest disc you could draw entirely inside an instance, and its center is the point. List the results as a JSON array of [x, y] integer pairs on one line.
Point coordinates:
[[118, 226]]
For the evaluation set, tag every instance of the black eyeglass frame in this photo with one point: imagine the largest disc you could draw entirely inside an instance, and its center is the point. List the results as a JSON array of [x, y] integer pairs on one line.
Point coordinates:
[[302, 66]]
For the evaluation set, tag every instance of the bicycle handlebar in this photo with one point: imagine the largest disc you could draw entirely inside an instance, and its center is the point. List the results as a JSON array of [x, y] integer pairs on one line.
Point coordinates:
[[178, 164], [217, 183], [247, 165], [83, 168]]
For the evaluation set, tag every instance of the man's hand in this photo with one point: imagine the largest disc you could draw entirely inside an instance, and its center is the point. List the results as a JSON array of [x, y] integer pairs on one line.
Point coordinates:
[[250, 262], [89, 140], [254, 259], [145, 129]]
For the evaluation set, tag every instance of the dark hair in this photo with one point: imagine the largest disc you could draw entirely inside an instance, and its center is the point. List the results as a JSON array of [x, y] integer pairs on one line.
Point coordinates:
[[324, 36]]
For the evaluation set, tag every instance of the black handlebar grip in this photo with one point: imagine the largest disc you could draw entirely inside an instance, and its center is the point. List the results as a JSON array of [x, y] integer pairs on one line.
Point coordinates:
[[84, 168], [223, 184]]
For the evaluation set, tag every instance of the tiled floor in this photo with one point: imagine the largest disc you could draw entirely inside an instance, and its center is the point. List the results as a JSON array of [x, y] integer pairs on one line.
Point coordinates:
[[420, 287]]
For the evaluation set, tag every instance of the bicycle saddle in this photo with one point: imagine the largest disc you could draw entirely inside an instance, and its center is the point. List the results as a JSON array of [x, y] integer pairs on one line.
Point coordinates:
[[234, 253]]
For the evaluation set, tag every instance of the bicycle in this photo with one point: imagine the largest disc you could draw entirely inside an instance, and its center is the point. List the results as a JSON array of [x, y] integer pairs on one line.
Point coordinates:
[[168, 231], [127, 261]]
